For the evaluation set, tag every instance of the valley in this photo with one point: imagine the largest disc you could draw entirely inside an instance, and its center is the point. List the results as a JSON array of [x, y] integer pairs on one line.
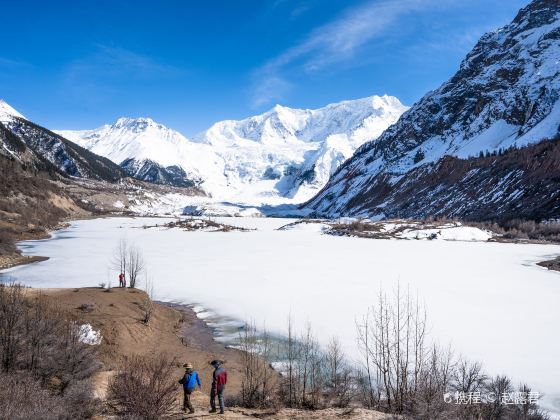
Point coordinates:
[[389, 255]]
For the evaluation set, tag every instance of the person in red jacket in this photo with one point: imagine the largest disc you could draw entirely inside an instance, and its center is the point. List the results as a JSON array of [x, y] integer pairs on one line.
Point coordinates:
[[219, 381]]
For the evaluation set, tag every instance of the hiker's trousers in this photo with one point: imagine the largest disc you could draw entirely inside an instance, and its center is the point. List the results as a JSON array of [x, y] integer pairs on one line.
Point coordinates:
[[187, 405], [220, 395]]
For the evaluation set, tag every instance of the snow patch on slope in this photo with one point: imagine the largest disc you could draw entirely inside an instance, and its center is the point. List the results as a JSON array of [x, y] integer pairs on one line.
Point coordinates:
[[7, 113]]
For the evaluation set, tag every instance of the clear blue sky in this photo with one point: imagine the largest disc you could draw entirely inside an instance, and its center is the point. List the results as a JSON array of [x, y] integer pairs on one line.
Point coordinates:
[[79, 64]]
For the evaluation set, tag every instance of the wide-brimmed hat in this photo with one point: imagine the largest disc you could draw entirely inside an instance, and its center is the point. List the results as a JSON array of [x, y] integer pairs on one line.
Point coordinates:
[[188, 365]]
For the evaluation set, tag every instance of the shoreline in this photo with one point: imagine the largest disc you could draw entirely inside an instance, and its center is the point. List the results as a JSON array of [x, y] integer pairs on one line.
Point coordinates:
[[14, 260], [552, 264], [17, 258]]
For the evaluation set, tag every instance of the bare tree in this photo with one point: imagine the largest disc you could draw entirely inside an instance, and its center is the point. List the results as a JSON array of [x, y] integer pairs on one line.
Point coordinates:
[[120, 256], [339, 375], [258, 381], [310, 369], [147, 305], [304, 381], [135, 265], [434, 381], [392, 340], [291, 357], [468, 376]]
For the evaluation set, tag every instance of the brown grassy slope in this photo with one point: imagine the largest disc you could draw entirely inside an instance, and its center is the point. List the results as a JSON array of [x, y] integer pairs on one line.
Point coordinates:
[[118, 315], [31, 204], [178, 333]]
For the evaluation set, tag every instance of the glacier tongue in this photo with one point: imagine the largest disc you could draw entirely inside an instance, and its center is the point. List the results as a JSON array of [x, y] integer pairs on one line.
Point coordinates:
[[284, 155]]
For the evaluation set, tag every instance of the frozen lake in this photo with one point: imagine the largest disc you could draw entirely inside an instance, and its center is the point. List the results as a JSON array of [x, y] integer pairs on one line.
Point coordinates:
[[488, 300]]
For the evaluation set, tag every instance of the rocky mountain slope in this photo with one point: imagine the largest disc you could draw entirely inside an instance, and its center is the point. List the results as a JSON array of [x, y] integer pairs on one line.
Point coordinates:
[[31, 144], [504, 95], [516, 183], [282, 155]]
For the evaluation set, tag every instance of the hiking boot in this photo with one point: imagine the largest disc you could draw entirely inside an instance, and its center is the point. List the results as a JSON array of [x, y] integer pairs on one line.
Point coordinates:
[[213, 411], [221, 411]]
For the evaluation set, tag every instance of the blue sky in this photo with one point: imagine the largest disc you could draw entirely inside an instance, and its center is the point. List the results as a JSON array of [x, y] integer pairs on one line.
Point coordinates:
[[79, 64]]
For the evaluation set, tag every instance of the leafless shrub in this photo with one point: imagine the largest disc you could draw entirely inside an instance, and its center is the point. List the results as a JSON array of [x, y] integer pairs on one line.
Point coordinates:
[[147, 305], [22, 397], [258, 381], [79, 401], [85, 307], [12, 312], [392, 340], [520, 229], [404, 375], [340, 380], [73, 360], [144, 387], [42, 354], [304, 380], [434, 381]]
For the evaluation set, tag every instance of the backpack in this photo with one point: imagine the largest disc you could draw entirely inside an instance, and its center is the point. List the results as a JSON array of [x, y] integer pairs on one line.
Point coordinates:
[[185, 379], [189, 381]]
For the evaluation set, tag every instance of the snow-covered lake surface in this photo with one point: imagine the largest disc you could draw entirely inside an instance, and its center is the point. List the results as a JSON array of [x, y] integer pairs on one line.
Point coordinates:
[[488, 300]]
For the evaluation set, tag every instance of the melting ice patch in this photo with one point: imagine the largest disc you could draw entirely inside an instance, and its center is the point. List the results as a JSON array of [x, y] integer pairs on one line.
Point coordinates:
[[87, 335]]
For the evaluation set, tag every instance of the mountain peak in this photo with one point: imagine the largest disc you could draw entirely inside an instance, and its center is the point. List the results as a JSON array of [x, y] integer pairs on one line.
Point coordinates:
[[7, 112], [538, 12], [283, 155], [381, 101], [134, 123]]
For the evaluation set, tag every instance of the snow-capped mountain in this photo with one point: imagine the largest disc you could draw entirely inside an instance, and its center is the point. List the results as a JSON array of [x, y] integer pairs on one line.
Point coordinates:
[[145, 149], [505, 95], [282, 155], [37, 147]]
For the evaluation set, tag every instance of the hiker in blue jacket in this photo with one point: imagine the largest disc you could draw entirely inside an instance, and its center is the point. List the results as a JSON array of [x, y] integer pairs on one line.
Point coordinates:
[[189, 381]]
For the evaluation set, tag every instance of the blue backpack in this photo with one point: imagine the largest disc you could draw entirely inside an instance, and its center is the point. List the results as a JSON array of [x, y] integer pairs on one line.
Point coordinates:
[[190, 380]]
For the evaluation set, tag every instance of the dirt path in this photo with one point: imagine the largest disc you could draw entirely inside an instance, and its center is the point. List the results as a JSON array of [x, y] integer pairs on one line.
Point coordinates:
[[174, 330]]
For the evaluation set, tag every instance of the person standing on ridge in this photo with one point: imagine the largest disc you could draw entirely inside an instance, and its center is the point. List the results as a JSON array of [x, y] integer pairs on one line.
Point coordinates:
[[121, 278], [219, 381], [189, 381]]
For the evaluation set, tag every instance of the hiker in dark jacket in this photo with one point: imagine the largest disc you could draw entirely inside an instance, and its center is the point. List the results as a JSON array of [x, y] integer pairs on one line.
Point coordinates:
[[189, 381], [219, 381]]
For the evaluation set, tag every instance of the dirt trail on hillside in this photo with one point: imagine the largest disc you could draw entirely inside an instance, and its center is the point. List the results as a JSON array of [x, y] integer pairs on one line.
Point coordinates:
[[174, 330]]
